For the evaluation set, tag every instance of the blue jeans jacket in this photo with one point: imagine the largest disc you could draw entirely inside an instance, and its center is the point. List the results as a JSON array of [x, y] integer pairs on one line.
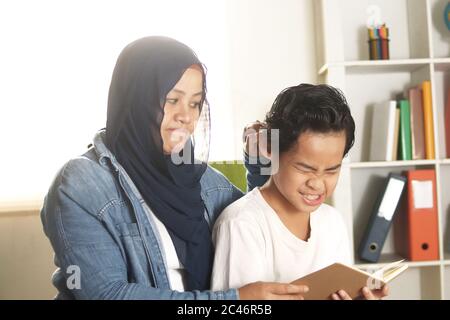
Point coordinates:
[[106, 243]]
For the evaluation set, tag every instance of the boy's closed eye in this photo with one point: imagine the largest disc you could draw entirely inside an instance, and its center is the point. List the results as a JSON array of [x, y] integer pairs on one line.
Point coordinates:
[[304, 167], [309, 169], [332, 170]]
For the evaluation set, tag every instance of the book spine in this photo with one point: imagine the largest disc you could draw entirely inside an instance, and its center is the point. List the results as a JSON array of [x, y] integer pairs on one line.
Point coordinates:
[[428, 120], [405, 130], [417, 133], [396, 134]]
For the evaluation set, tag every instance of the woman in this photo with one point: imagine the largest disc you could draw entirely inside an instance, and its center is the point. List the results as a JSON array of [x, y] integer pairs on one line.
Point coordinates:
[[131, 218]]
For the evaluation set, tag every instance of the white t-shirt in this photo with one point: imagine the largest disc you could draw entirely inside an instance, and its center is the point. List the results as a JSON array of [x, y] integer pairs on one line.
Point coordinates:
[[176, 270], [252, 244]]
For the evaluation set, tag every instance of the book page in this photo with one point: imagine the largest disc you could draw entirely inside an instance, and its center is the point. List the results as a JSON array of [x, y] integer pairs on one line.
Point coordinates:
[[391, 274], [390, 271], [382, 271]]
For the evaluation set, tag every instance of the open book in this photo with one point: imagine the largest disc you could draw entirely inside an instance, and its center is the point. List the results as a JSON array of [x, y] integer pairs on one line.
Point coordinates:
[[338, 276]]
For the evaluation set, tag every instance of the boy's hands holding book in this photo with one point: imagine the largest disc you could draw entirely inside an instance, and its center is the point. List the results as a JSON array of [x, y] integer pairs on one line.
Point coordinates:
[[282, 291], [345, 282], [272, 291], [366, 294]]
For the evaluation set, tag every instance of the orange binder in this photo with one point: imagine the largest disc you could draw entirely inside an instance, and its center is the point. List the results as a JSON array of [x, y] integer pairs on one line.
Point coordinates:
[[422, 219], [428, 122]]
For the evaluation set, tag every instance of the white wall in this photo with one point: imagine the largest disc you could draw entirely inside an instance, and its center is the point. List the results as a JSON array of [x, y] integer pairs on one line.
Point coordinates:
[[56, 64], [272, 47], [57, 60]]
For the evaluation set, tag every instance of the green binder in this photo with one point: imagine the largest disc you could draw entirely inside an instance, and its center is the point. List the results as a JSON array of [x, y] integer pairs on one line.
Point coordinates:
[[405, 146]]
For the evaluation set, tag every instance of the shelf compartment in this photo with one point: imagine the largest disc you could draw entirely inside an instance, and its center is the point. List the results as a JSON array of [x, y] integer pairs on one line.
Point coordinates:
[[406, 20], [366, 186], [364, 90]]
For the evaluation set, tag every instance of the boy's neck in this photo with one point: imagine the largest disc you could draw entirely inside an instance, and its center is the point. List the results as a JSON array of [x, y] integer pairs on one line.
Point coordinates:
[[296, 221]]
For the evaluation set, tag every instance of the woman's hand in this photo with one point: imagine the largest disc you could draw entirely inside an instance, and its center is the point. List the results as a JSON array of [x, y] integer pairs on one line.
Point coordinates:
[[255, 139], [272, 291], [367, 294]]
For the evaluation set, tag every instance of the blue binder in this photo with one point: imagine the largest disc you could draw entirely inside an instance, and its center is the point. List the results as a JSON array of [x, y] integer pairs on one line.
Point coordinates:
[[381, 218]]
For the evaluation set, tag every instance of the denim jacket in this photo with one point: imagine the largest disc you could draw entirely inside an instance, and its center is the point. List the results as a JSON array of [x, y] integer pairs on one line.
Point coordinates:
[[106, 244]]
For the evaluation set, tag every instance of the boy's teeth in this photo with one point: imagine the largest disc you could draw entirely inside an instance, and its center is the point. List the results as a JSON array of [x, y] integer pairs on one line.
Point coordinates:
[[311, 197]]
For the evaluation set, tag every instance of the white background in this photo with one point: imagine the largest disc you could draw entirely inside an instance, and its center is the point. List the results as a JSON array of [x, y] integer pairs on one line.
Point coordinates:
[[57, 58]]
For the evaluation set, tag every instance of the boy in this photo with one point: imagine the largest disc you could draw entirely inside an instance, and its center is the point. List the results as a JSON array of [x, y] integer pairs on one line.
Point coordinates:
[[284, 230]]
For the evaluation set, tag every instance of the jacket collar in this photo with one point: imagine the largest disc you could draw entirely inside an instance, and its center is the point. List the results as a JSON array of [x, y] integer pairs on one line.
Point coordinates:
[[104, 155]]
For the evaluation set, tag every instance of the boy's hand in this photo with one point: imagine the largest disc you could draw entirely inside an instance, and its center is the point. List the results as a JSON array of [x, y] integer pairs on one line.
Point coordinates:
[[272, 291], [367, 294], [255, 139], [375, 294]]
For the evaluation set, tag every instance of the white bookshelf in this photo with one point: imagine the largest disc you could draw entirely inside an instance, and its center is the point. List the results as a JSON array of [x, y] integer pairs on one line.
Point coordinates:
[[419, 51], [380, 164]]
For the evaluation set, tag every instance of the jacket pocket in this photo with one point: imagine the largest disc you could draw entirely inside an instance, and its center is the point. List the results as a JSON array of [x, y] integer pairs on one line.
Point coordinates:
[[138, 266]]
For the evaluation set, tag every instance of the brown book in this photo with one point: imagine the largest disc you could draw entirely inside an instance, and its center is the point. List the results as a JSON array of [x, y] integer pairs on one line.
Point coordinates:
[[417, 131], [323, 283]]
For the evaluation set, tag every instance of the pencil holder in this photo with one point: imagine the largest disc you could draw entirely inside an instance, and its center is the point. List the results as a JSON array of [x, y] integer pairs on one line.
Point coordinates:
[[379, 49]]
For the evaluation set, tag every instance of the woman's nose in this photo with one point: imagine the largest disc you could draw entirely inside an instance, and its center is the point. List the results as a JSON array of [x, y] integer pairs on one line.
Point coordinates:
[[183, 114]]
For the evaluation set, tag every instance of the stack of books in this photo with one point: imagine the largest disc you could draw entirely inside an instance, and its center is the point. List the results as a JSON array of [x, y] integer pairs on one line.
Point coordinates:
[[404, 129]]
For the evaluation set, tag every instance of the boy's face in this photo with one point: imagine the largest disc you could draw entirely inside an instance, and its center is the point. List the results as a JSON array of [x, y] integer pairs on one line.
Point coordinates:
[[309, 171]]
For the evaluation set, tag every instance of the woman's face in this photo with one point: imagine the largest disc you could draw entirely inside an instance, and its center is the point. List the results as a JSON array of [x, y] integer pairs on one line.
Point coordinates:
[[182, 110]]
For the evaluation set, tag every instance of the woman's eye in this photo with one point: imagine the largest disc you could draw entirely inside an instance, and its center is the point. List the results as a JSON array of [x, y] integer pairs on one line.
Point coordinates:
[[195, 105], [172, 101]]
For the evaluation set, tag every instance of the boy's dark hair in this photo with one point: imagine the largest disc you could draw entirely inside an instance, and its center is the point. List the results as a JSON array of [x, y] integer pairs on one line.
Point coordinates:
[[307, 107]]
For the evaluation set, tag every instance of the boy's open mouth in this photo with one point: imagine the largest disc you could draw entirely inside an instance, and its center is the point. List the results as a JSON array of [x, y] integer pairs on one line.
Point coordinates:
[[312, 199]]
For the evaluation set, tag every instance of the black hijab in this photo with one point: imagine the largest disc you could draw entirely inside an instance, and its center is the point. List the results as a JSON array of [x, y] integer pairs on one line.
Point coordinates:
[[146, 70]]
